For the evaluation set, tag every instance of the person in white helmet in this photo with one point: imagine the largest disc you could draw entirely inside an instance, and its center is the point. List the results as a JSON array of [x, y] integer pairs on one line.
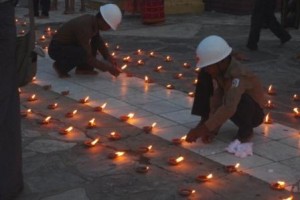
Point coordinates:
[[225, 90], [77, 42]]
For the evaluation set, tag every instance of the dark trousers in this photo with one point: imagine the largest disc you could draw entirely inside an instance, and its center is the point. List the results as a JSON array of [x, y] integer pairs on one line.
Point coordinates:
[[263, 14], [45, 5], [11, 180], [247, 116], [69, 56]]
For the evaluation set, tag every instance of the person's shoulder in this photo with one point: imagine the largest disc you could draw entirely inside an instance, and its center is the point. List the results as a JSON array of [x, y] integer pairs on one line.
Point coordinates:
[[239, 69]]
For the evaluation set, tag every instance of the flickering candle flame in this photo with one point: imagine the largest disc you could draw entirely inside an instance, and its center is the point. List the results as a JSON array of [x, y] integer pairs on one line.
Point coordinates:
[[203, 178], [32, 98], [120, 153], [296, 111], [100, 108], [145, 149], [186, 65], [237, 165], [116, 154], [168, 59], [179, 159], [46, 120], [92, 123], [124, 67], [25, 113], [48, 29], [178, 141], [127, 117], [140, 62], [113, 54], [170, 86], [289, 198], [151, 54], [34, 79], [148, 80], [130, 115], [53, 106], [271, 90], [268, 119], [148, 129], [209, 176], [279, 185], [158, 68], [117, 47], [296, 97], [106, 44], [85, 100], [153, 125], [176, 161], [71, 114], [232, 168], [66, 131], [42, 38]]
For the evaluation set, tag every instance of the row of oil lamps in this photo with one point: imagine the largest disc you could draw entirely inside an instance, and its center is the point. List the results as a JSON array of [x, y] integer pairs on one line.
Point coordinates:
[[279, 185]]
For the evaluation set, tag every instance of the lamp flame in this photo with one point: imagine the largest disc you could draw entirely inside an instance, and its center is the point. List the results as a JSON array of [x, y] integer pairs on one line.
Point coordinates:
[[183, 138], [74, 112], [153, 125], [149, 147], [296, 110], [179, 159], [124, 67], [130, 115], [209, 176], [120, 153], [103, 105], [237, 165], [69, 129], [289, 198], [95, 141]]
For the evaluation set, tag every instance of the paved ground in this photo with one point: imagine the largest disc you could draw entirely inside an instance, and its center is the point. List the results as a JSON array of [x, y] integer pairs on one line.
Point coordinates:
[[60, 167]]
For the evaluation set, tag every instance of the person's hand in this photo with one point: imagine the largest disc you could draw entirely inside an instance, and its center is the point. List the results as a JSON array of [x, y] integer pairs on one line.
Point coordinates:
[[112, 60], [115, 71], [200, 131]]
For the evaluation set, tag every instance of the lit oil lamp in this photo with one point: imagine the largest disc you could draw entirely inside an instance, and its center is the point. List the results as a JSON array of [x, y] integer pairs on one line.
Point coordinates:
[[170, 86], [289, 198], [197, 69], [279, 185], [186, 65], [271, 90], [25, 113], [71, 114], [158, 68], [100, 108], [91, 124], [127, 59], [33, 79], [151, 54], [145, 149], [124, 67], [24, 23], [22, 32], [32, 98], [142, 169], [66, 130], [178, 76], [178, 141], [19, 90], [138, 52], [85, 100], [52, 106], [113, 54], [191, 94], [114, 136], [117, 48], [115, 154], [106, 44], [268, 119], [296, 112], [232, 168], [175, 161], [42, 38], [269, 105], [168, 59], [203, 178], [148, 129], [125, 118], [92, 143], [65, 92], [148, 80], [47, 87], [195, 82], [186, 192], [48, 30], [140, 62], [46, 120], [296, 97]]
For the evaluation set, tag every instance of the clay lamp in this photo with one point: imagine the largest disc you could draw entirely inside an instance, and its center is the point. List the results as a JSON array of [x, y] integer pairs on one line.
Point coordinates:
[[85, 100], [191, 94], [158, 68], [175, 161], [140, 62], [92, 143], [148, 80], [16, 20], [271, 90], [114, 136], [46, 120], [124, 67], [113, 54], [71, 114], [127, 59], [91, 123], [42, 38], [186, 192], [178, 141], [268, 119], [197, 69], [152, 54], [24, 23], [269, 105], [47, 87], [170, 86], [138, 52], [289, 198], [203, 178], [168, 59], [117, 48], [66, 130], [19, 90], [296, 97], [115, 154], [32, 98], [279, 185], [195, 82], [142, 169], [48, 30], [106, 44], [25, 113], [52, 106], [231, 168], [100, 108], [296, 113], [186, 65], [145, 149], [66, 92], [148, 129], [125, 118], [33, 79], [22, 32], [178, 76]]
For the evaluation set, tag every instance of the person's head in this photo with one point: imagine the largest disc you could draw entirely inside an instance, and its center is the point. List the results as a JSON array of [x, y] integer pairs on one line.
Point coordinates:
[[213, 55], [109, 17]]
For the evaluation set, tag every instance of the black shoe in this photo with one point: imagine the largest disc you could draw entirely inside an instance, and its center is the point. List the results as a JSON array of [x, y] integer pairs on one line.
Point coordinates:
[[285, 39], [59, 73], [252, 47]]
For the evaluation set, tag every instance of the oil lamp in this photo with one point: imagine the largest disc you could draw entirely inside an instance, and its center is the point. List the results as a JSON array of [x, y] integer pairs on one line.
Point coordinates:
[[268, 119], [46, 120], [186, 65], [148, 80], [175, 161], [168, 59], [271, 90], [178, 76], [204, 178], [52, 106], [296, 97], [232, 168], [117, 48], [158, 68], [115, 154], [296, 112], [124, 118], [142, 169], [71, 114], [140, 62], [279, 185], [178, 141], [191, 94], [32, 98], [100, 108], [269, 105], [138, 52], [85, 100], [42, 38], [114, 136], [148, 129], [66, 131], [186, 192], [25, 113], [92, 143], [170, 86], [145, 149], [151, 54], [91, 123]]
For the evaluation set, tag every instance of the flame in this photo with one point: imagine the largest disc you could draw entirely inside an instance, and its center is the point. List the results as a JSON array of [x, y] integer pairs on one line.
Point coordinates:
[[120, 153], [28, 111], [270, 88], [106, 44], [179, 75], [86, 99], [296, 110], [140, 62], [197, 69], [237, 165], [124, 67], [130, 115], [269, 102], [74, 112], [33, 97], [183, 137], [149, 147], [151, 53], [169, 86], [113, 133], [117, 47], [146, 79], [191, 94], [103, 105], [47, 119], [179, 159], [113, 54], [55, 105], [185, 64], [139, 51], [267, 118], [295, 97], [289, 198], [19, 89], [281, 183], [43, 37], [95, 141], [195, 81], [153, 125], [158, 68], [209, 176], [168, 58], [92, 122], [48, 29], [69, 129]]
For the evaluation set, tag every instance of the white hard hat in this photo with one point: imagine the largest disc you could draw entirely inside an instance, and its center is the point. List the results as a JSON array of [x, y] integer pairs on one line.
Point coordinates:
[[112, 15], [211, 50]]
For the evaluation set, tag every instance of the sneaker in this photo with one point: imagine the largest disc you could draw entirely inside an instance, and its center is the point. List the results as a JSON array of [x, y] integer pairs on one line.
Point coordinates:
[[86, 72], [59, 73]]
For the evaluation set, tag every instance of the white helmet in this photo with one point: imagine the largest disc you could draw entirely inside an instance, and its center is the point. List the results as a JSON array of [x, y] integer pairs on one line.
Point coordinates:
[[112, 15], [211, 50]]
